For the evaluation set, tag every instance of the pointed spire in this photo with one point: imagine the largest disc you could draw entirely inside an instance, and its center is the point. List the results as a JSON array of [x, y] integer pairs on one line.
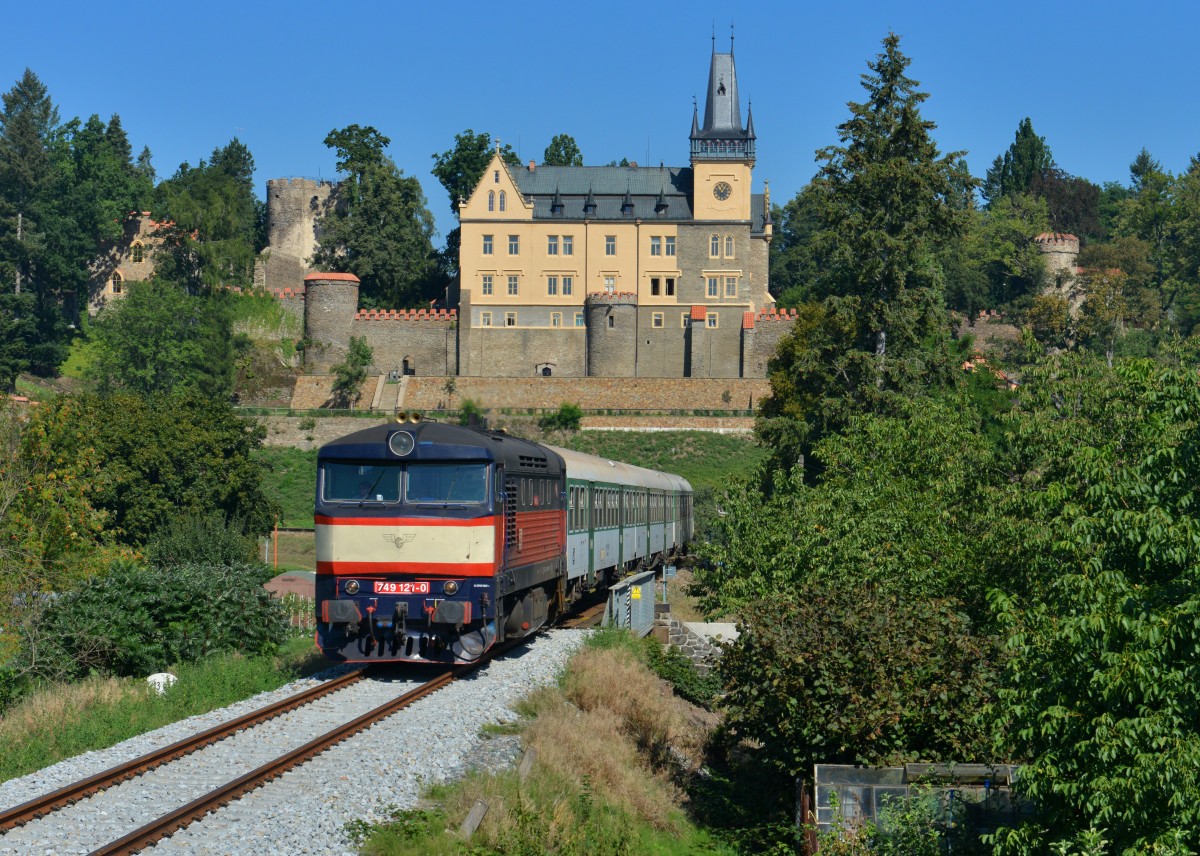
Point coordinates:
[[556, 206], [589, 204], [750, 120], [627, 204], [660, 204], [695, 119]]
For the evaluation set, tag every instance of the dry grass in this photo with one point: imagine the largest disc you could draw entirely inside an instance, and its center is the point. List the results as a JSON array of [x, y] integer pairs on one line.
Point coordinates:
[[602, 746], [42, 711], [684, 607]]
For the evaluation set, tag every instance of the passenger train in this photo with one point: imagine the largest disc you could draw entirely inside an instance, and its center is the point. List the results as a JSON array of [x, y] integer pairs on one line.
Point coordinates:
[[434, 541]]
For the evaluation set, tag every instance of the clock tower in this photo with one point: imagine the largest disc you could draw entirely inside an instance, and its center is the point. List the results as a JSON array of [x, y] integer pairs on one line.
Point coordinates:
[[722, 150]]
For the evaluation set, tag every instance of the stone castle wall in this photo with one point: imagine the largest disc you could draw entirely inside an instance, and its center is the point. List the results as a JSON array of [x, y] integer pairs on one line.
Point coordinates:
[[423, 342], [596, 393]]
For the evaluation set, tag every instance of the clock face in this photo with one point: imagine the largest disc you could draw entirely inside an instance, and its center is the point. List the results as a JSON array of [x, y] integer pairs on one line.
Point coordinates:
[[721, 190]]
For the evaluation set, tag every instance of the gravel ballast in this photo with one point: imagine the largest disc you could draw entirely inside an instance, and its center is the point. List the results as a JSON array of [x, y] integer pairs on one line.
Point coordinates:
[[304, 811]]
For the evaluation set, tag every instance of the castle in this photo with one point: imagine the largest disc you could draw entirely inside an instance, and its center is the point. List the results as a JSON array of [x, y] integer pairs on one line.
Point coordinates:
[[617, 271]]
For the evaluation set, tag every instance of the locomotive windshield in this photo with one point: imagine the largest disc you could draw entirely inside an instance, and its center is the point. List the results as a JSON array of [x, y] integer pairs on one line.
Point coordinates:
[[422, 484], [350, 482], [446, 483]]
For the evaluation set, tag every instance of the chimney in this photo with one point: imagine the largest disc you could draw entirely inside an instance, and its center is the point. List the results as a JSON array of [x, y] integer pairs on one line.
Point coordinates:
[[532, 166], [633, 164]]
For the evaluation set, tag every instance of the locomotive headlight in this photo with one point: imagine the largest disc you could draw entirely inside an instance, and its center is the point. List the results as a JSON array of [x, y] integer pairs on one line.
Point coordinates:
[[401, 443], [351, 586], [450, 588]]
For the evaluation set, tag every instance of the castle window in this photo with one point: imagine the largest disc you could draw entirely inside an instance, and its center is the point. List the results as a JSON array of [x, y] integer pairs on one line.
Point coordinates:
[[118, 283], [485, 319], [685, 320], [487, 283], [714, 246], [555, 319], [670, 286], [654, 286], [567, 282], [655, 246], [713, 287], [710, 320], [491, 200], [612, 321], [729, 246], [656, 320], [610, 245], [670, 245], [510, 319], [136, 254], [514, 245], [610, 284], [568, 245], [512, 286], [731, 286], [503, 199], [552, 245], [487, 245], [552, 285], [496, 176], [578, 319]]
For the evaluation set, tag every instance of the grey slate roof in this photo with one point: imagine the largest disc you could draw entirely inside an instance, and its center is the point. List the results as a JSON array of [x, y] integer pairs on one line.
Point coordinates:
[[608, 186]]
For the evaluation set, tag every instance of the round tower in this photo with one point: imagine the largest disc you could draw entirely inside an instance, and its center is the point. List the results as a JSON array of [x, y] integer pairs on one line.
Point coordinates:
[[611, 334], [1060, 252], [330, 302]]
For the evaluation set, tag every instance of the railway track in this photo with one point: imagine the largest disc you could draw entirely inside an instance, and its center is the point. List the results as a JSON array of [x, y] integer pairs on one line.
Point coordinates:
[[34, 808], [181, 817], [43, 809], [146, 835]]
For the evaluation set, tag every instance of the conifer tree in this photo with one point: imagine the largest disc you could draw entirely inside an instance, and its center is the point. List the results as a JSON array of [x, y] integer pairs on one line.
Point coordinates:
[[887, 202], [1018, 168]]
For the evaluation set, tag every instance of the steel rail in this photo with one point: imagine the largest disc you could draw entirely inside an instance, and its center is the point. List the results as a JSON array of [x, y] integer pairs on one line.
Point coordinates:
[[47, 803], [198, 808]]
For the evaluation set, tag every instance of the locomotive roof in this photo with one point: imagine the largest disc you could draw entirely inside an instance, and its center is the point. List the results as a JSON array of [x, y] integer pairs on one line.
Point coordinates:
[[592, 468], [443, 441]]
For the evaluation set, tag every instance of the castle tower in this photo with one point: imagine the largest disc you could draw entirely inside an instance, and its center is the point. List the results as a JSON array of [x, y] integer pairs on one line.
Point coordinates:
[[722, 150], [330, 303], [1060, 252], [295, 207], [611, 334]]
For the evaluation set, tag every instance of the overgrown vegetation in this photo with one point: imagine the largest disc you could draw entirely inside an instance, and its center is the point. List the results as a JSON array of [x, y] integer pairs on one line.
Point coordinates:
[[64, 720], [290, 477], [608, 743]]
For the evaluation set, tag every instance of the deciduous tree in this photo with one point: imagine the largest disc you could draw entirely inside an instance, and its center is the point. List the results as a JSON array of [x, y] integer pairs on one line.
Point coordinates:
[[381, 229], [562, 151]]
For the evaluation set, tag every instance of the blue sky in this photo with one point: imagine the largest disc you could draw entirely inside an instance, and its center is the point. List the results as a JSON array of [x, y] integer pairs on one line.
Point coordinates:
[[1099, 80]]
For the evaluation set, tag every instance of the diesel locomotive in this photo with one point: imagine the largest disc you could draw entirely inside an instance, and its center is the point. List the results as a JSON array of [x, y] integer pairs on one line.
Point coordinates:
[[434, 541]]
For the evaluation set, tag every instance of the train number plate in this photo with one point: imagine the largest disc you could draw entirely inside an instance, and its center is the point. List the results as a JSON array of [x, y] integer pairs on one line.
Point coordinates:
[[401, 588]]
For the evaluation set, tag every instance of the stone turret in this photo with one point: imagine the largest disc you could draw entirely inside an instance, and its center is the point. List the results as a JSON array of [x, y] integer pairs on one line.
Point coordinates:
[[611, 334], [330, 304], [1060, 251], [295, 207]]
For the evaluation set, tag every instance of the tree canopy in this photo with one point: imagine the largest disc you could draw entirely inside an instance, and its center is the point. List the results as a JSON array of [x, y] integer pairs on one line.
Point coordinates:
[[562, 151], [380, 230]]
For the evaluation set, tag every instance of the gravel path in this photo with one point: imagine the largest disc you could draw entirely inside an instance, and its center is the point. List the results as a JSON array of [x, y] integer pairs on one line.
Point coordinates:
[[304, 811]]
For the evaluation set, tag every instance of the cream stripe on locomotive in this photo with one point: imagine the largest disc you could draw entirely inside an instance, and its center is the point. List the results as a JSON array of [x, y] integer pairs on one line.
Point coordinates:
[[462, 549]]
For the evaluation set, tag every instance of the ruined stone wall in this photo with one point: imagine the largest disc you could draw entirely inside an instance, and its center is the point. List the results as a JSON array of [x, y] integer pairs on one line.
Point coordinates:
[[427, 341], [294, 209]]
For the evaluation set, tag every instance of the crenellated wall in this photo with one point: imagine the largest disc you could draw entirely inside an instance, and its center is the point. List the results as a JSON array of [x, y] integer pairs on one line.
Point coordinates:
[[410, 341]]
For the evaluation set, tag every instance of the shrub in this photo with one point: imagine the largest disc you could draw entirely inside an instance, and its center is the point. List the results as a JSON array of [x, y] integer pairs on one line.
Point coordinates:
[[135, 620], [567, 418], [196, 539], [469, 410]]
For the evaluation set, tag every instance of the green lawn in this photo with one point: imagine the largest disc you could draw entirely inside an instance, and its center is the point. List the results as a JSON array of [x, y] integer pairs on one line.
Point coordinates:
[[703, 458]]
